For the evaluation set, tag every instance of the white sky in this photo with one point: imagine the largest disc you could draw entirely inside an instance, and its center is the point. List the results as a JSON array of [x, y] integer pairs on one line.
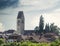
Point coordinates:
[[50, 9]]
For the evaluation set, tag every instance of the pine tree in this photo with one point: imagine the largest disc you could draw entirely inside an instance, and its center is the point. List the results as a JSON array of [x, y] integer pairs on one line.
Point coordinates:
[[47, 28], [41, 24], [54, 28], [36, 29]]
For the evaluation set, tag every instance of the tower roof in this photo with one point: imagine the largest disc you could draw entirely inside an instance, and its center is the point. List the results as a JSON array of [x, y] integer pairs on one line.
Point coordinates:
[[20, 14]]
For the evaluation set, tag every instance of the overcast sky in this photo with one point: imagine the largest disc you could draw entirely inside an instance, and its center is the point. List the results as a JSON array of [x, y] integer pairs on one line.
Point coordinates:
[[50, 9]]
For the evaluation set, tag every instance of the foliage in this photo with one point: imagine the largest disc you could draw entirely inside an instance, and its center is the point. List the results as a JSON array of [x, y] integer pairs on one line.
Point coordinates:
[[36, 29], [47, 28], [1, 41], [54, 28], [28, 43], [55, 43], [41, 24]]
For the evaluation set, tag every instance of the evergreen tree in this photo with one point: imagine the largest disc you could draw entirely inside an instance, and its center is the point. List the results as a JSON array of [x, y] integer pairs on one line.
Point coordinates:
[[54, 28], [41, 24], [47, 28], [36, 29]]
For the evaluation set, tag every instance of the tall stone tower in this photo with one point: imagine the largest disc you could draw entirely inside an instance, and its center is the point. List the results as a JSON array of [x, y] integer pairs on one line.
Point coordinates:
[[20, 23]]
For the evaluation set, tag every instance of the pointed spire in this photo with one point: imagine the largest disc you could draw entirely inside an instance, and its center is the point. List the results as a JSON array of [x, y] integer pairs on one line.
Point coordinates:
[[20, 14]]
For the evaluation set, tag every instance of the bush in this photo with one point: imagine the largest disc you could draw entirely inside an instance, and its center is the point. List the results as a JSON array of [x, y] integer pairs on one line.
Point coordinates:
[[1, 41], [29, 43]]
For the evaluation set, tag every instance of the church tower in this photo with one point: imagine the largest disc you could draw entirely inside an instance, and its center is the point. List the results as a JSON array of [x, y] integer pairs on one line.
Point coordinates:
[[20, 23]]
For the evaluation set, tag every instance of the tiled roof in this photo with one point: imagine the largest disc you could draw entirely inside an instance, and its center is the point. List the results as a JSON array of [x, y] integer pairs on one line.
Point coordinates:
[[9, 31], [28, 32], [1, 32]]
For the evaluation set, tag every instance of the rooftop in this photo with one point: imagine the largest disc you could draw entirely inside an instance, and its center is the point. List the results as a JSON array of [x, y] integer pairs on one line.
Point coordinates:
[[20, 14]]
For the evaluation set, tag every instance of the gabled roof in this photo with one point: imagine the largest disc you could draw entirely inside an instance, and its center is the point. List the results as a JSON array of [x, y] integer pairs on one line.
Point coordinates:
[[1, 32], [9, 31]]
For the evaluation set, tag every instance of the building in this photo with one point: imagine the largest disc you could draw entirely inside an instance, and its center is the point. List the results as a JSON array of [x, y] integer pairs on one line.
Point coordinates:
[[9, 32], [20, 23], [13, 38]]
